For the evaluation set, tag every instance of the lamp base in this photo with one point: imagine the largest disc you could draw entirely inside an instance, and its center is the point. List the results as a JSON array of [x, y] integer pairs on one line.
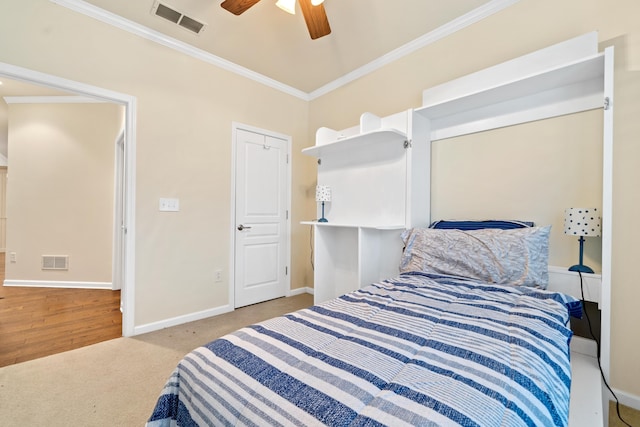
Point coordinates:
[[323, 220], [581, 268]]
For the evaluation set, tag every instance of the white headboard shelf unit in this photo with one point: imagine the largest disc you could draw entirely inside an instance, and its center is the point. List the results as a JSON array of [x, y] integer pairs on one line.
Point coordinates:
[[562, 79], [566, 78]]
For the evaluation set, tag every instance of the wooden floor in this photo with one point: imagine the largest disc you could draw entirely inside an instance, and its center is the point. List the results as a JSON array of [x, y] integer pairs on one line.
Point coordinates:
[[37, 322]]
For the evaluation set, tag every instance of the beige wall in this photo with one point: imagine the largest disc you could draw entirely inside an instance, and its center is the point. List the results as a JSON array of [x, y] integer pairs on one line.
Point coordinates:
[[184, 117], [60, 192], [522, 28], [528, 172], [3, 128]]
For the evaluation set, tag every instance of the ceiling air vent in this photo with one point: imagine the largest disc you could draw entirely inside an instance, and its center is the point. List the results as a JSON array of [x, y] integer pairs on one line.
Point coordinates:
[[55, 262], [169, 13]]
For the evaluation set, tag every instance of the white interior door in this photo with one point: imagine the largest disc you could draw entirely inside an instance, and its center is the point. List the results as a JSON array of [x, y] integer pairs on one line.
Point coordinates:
[[261, 203]]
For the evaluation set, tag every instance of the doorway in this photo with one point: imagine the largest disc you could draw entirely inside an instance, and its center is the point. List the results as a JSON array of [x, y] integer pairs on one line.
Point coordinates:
[[260, 219], [127, 228]]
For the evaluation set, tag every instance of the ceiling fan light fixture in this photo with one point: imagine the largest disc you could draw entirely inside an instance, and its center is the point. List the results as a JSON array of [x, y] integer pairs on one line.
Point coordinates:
[[316, 2], [288, 6]]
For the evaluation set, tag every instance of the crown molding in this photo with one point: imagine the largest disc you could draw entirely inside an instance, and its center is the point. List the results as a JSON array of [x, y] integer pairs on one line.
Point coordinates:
[[117, 21], [447, 29]]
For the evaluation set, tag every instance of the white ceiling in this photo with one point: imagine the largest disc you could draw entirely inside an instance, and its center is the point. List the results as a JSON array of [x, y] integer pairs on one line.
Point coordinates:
[[277, 45]]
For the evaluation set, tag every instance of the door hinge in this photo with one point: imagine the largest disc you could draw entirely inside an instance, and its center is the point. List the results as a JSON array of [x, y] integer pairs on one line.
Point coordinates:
[[286, 271], [407, 144], [607, 102], [287, 159], [287, 214]]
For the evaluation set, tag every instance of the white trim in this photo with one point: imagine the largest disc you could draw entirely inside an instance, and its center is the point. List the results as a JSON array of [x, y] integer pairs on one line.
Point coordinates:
[[52, 100], [180, 320], [627, 399], [58, 284], [232, 222], [299, 291], [607, 212], [130, 103], [162, 39], [200, 315], [118, 212], [447, 29], [129, 267]]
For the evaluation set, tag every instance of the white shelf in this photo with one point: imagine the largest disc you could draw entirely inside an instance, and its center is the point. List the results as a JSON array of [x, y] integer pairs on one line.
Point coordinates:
[[360, 142], [565, 89], [568, 282], [577, 72], [343, 225]]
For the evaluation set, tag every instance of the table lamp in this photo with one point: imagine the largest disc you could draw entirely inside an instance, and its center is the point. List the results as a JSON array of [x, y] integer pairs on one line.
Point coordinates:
[[583, 222], [323, 194]]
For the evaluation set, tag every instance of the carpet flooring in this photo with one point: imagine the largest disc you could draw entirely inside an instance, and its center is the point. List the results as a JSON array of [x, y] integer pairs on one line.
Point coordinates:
[[630, 416], [117, 382]]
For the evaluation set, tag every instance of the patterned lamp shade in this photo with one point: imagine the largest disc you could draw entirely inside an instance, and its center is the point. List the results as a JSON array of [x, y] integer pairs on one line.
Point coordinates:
[[582, 222], [323, 193]]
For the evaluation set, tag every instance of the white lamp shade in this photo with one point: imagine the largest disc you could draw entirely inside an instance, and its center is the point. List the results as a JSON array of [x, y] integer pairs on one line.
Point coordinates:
[[582, 222], [323, 193], [316, 2], [288, 6]]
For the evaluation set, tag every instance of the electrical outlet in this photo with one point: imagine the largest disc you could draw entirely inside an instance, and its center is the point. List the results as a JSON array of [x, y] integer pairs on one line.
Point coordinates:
[[218, 275], [13, 257]]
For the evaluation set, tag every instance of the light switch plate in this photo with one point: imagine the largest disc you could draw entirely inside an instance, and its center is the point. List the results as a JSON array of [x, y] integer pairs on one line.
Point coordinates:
[[169, 205]]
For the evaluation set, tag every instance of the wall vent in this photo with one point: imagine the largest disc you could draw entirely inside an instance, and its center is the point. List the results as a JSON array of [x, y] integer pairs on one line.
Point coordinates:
[[169, 13], [55, 262]]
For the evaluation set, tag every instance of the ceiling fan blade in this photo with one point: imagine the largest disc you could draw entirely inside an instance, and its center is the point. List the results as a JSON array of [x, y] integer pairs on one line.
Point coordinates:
[[238, 7], [316, 19]]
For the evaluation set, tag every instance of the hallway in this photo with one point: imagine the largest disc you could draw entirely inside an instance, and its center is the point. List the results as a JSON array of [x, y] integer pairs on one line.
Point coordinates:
[[37, 322]]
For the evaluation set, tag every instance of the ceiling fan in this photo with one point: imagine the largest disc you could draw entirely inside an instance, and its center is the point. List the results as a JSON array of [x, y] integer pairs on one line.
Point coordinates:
[[313, 11]]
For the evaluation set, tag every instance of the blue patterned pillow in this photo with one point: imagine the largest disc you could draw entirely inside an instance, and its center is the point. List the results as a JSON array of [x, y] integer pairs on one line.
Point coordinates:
[[515, 257]]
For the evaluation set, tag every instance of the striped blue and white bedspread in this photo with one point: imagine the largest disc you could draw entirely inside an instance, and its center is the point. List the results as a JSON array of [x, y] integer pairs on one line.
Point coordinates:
[[415, 350]]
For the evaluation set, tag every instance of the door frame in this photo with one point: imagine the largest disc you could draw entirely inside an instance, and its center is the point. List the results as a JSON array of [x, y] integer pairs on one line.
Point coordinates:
[[119, 228], [127, 295], [235, 126]]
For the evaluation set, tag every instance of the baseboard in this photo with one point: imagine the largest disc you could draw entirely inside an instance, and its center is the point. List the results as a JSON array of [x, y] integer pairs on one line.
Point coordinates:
[[192, 317], [628, 399], [179, 320], [58, 284], [300, 291]]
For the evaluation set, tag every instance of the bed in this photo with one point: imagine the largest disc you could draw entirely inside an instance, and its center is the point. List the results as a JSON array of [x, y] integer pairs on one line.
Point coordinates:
[[427, 347]]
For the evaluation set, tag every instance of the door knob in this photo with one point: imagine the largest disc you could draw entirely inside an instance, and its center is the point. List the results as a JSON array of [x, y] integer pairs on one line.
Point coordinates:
[[242, 227]]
